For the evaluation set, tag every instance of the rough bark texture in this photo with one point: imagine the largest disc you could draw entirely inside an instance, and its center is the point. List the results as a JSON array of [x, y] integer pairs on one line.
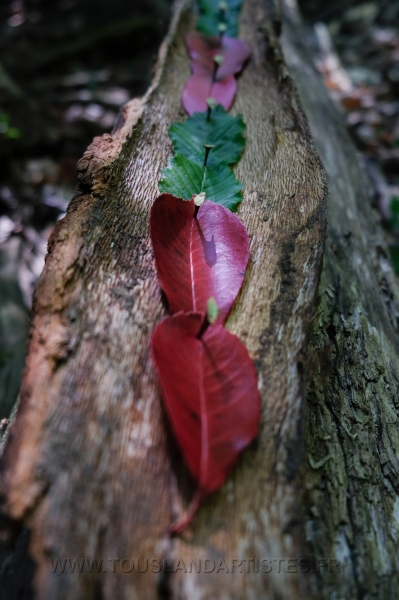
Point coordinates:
[[352, 434], [90, 468]]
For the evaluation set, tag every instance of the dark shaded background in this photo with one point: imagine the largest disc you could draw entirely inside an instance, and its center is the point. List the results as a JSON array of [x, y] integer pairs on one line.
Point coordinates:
[[66, 68]]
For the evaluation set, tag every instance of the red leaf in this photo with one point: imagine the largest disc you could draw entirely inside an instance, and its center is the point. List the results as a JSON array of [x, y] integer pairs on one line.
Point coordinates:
[[202, 50], [200, 87], [197, 258], [211, 397]]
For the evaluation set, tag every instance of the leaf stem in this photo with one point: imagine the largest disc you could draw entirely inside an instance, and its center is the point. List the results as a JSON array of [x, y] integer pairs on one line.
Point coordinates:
[[203, 328], [215, 70], [217, 61], [223, 10], [185, 520], [211, 105], [222, 30], [208, 148]]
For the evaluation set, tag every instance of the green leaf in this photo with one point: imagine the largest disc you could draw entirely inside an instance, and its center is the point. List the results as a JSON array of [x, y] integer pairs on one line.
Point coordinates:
[[222, 131], [184, 177], [211, 16]]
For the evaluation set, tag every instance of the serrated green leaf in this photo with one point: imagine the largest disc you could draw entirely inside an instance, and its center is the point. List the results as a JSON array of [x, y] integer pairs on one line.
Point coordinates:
[[222, 131], [211, 16], [184, 177]]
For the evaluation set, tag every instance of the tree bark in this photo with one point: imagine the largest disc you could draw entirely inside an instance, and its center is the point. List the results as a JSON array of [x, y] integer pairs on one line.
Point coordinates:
[[90, 468], [352, 435]]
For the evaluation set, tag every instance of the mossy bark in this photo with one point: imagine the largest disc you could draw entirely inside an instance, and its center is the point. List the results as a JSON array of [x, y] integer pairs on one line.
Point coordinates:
[[352, 433]]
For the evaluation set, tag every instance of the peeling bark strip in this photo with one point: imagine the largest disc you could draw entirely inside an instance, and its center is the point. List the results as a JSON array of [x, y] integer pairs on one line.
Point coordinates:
[[88, 465]]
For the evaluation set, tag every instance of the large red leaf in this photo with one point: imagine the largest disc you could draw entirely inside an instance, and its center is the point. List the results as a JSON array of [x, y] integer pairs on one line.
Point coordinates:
[[211, 397], [197, 258], [203, 49], [200, 87]]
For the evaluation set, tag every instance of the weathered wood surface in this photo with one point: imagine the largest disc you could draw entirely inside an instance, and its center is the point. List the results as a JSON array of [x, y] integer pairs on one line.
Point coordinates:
[[90, 467], [352, 509]]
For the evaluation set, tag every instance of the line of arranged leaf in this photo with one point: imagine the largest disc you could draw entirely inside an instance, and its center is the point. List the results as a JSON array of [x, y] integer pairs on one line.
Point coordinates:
[[208, 379], [187, 174]]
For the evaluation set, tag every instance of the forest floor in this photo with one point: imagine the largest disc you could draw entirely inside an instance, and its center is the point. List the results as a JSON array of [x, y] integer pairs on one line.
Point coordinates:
[[66, 68], [358, 56]]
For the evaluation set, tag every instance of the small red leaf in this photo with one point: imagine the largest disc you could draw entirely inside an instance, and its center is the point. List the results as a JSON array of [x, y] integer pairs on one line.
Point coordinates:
[[197, 258], [200, 87], [203, 49], [211, 397]]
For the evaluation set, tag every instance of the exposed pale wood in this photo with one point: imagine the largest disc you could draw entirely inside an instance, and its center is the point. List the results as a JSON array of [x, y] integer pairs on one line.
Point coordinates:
[[90, 467]]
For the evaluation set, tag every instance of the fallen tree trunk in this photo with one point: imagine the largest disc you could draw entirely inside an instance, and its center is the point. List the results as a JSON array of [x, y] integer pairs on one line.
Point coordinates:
[[90, 468]]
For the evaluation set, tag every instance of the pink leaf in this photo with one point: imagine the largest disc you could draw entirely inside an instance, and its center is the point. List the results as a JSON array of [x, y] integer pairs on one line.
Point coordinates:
[[197, 258], [211, 397], [203, 49], [201, 87]]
